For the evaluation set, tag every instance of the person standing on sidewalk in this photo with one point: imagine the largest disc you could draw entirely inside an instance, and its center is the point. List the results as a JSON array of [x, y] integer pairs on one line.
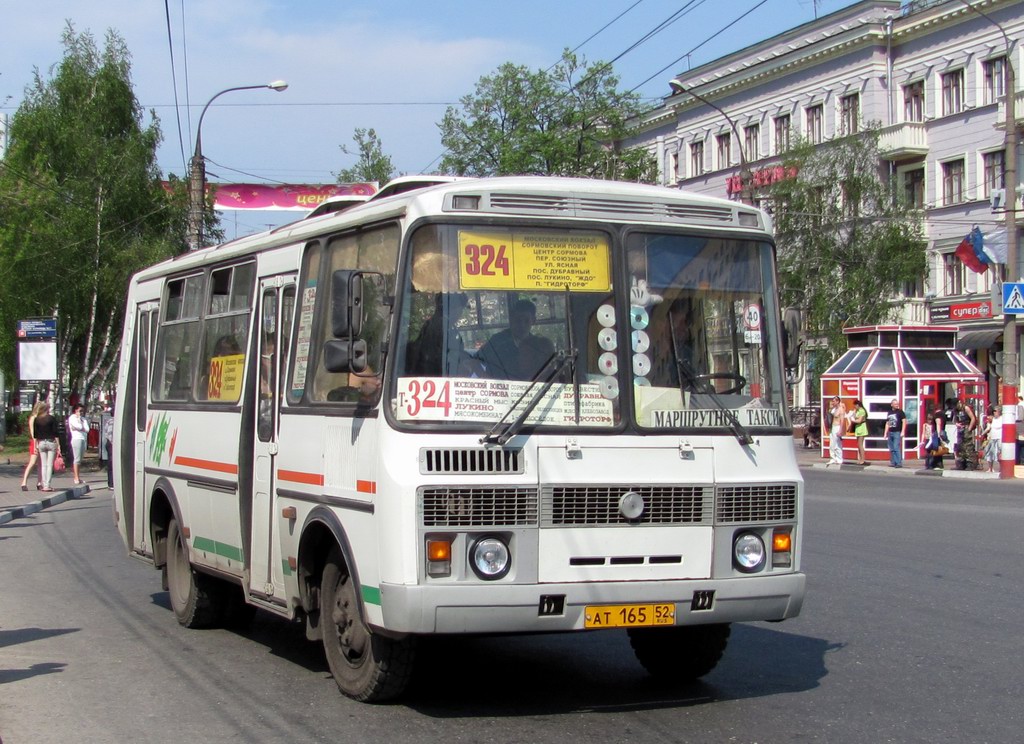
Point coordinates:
[[47, 443], [895, 431], [33, 455], [936, 440], [966, 426], [79, 429], [992, 438], [859, 427], [836, 428]]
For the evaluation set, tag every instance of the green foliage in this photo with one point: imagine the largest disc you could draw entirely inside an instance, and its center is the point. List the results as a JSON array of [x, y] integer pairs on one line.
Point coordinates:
[[847, 242], [372, 164], [545, 123], [81, 205]]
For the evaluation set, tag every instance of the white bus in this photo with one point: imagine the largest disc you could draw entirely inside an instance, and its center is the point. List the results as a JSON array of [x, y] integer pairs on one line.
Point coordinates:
[[488, 406]]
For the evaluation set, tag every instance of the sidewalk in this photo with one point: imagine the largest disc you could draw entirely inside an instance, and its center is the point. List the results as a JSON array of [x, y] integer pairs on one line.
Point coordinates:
[[810, 457], [17, 504]]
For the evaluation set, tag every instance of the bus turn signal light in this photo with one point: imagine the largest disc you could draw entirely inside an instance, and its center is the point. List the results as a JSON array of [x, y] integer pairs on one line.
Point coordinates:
[[782, 549], [439, 558], [781, 542]]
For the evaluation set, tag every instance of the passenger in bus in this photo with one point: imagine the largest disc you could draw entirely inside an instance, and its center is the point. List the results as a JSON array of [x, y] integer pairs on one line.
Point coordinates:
[[516, 353], [227, 345], [678, 360], [438, 349]]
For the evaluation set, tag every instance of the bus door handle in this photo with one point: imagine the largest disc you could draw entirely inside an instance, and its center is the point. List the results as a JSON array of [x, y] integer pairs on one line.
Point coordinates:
[[272, 448]]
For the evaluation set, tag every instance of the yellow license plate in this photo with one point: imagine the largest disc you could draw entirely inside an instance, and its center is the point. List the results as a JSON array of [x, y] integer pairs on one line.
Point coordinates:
[[629, 616]]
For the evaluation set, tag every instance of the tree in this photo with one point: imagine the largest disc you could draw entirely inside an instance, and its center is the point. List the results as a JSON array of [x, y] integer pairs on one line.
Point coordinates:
[[557, 122], [82, 206], [847, 242], [372, 164]]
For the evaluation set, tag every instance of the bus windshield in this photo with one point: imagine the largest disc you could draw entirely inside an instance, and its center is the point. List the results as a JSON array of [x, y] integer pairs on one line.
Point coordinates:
[[536, 323]]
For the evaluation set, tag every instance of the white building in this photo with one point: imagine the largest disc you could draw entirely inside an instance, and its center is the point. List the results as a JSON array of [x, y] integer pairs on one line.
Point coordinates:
[[931, 72]]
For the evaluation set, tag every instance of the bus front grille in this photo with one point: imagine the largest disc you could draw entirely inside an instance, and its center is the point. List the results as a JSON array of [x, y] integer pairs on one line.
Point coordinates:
[[478, 507], [470, 461], [566, 506], [755, 503]]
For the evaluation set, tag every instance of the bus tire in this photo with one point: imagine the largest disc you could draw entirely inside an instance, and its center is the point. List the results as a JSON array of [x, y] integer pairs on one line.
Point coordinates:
[[367, 667], [193, 596], [682, 653]]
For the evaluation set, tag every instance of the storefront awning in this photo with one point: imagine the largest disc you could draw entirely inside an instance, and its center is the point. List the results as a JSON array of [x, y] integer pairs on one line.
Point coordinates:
[[981, 339]]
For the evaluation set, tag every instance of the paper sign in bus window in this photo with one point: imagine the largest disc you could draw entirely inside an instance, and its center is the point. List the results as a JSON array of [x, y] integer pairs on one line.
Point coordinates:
[[533, 261]]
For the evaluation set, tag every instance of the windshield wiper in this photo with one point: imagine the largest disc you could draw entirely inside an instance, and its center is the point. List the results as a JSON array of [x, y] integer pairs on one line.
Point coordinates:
[[704, 387], [546, 377]]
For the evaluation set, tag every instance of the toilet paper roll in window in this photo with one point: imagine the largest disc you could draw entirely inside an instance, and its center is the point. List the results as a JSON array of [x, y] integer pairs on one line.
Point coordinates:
[[638, 317], [641, 342], [606, 339], [608, 363], [606, 316], [641, 365]]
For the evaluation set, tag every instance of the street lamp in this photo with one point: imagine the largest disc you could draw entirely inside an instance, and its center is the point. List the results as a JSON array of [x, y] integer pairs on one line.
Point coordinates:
[[1010, 368], [745, 196], [197, 176]]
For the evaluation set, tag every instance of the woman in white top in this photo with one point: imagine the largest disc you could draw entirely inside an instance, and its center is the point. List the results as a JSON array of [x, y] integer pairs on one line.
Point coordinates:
[[835, 446], [79, 430], [993, 438]]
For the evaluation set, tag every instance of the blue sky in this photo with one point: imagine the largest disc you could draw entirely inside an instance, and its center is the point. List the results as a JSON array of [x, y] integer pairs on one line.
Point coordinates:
[[389, 65]]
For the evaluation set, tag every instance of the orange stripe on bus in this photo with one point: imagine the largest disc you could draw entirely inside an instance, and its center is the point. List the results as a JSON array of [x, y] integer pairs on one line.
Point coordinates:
[[366, 486], [297, 476], [217, 467]]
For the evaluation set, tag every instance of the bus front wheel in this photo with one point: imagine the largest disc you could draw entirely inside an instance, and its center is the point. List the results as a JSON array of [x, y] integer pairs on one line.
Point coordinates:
[[193, 596], [366, 666], [681, 653]]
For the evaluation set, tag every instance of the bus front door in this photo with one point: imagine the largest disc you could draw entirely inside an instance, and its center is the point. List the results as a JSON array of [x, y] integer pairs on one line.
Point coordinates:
[[277, 301]]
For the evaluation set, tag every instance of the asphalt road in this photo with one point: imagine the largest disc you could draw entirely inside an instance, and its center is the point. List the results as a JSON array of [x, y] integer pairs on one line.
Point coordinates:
[[911, 632]]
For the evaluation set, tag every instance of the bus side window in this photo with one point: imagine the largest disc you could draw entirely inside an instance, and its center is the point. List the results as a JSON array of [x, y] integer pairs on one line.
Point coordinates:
[[176, 337], [225, 334]]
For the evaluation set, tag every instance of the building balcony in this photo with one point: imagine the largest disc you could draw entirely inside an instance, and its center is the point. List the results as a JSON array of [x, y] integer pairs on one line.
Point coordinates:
[[903, 141], [1018, 111]]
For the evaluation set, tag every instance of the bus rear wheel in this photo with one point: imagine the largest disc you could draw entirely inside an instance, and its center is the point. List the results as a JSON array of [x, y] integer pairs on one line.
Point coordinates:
[[681, 653], [194, 597], [367, 667]]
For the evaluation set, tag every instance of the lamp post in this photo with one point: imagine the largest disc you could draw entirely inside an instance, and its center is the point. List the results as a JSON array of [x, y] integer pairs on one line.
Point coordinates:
[[745, 195], [1010, 369], [197, 169]]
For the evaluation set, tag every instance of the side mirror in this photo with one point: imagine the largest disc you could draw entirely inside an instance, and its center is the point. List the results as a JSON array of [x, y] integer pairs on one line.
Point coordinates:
[[346, 303], [791, 324], [345, 356]]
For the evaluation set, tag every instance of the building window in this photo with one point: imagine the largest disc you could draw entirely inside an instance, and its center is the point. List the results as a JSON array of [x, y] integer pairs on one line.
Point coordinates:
[[994, 71], [953, 274], [782, 128], [953, 92], [953, 176], [724, 142], [914, 288], [849, 114], [913, 101], [673, 167], [913, 188], [697, 158], [815, 114], [995, 171], [751, 142]]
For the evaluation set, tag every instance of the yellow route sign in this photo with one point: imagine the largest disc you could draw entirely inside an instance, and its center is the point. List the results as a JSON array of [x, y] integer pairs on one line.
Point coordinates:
[[534, 261]]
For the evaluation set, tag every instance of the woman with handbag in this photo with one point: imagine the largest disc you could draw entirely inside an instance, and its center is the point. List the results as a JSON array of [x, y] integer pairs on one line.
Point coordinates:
[[935, 448], [47, 443], [859, 427]]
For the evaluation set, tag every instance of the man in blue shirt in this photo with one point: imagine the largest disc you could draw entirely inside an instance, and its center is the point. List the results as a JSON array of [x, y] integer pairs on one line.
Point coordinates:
[[895, 430]]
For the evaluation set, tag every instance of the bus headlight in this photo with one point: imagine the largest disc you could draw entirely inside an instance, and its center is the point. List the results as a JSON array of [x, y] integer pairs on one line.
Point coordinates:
[[748, 553], [490, 558]]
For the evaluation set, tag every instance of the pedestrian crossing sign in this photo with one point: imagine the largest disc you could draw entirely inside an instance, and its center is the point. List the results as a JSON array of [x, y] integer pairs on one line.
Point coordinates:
[[1013, 298]]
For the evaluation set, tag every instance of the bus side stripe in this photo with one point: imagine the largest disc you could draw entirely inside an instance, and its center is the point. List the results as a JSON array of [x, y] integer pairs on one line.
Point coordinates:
[[224, 550], [363, 486], [297, 476], [371, 594], [217, 467]]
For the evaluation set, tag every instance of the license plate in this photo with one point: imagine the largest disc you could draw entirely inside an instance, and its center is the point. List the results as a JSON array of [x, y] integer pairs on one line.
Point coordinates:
[[629, 616]]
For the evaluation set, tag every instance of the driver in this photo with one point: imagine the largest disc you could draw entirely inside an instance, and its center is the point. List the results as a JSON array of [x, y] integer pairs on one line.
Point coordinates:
[[676, 337]]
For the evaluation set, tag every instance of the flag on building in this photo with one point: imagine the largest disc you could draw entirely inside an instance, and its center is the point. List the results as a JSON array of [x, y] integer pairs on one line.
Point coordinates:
[[971, 253], [995, 246]]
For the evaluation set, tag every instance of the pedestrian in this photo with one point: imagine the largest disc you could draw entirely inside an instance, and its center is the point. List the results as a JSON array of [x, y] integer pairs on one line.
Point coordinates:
[[859, 426], [47, 443], [79, 429], [895, 431], [33, 455], [835, 424], [108, 446], [937, 440], [992, 438], [966, 428]]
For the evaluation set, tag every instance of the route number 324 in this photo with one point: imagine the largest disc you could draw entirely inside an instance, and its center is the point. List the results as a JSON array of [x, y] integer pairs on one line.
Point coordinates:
[[486, 260]]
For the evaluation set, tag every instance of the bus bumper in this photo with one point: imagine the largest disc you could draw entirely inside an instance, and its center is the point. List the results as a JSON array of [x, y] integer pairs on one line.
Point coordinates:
[[512, 608]]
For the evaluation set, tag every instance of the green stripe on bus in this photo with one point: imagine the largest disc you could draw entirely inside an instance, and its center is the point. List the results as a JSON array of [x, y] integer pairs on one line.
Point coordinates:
[[286, 568], [371, 595], [217, 548]]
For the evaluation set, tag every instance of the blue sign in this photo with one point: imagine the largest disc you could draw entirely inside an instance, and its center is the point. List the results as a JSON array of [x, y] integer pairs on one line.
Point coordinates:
[[1013, 298], [37, 328]]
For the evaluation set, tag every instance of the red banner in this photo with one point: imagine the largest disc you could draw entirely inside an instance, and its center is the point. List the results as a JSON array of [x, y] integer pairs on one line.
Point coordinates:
[[296, 197]]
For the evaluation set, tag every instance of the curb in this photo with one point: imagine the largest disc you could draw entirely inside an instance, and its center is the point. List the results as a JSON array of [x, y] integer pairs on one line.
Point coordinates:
[[885, 470], [19, 512]]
